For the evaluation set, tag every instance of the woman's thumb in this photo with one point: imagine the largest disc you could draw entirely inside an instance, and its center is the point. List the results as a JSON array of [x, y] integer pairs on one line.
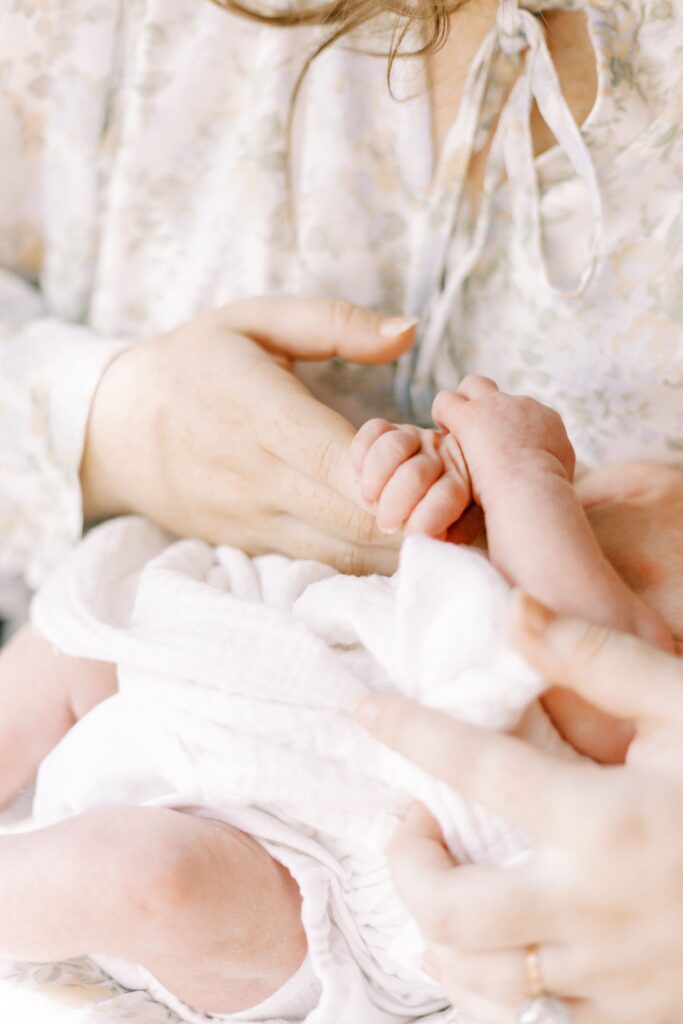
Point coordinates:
[[314, 328]]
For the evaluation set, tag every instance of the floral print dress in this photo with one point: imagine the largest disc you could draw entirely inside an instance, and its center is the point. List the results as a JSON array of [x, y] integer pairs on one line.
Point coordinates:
[[146, 174]]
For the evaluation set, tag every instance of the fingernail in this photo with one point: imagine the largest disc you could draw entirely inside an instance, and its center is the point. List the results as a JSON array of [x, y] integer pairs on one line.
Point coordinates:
[[395, 326], [530, 613], [367, 712]]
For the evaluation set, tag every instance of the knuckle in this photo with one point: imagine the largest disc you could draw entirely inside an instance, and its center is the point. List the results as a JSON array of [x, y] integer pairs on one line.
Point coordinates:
[[524, 409], [375, 424], [361, 527], [591, 643], [372, 430], [344, 317], [324, 461], [350, 561], [424, 470], [445, 500], [396, 444]]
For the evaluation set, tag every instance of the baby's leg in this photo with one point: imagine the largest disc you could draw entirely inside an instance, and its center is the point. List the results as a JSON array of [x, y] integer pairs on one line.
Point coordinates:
[[42, 694], [199, 904]]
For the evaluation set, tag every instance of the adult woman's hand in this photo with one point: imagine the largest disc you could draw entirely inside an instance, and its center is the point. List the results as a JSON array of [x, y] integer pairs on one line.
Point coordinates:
[[636, 511], [601, 896], [207, 432]]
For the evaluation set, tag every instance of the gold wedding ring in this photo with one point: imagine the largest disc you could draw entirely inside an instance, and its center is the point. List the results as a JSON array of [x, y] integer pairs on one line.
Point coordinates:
[[540, 1007], [533, 970]]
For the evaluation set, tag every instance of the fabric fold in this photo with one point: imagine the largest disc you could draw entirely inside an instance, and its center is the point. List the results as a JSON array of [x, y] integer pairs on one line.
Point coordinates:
[[449, 247]]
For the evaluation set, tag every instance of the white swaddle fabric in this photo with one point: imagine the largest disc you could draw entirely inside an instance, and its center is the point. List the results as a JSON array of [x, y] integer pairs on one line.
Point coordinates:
[[241, 675]]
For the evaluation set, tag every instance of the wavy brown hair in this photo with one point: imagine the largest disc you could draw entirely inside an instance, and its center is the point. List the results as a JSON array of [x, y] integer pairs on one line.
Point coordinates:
[[344, 16]]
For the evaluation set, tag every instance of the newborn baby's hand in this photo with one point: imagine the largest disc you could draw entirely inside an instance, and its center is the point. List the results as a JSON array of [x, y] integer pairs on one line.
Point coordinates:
[[512, 457], [521, 467], [422, 481], [507, 441], [414, 480]]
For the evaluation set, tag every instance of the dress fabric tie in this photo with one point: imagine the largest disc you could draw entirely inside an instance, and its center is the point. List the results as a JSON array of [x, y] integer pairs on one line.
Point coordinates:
[[448, 247]]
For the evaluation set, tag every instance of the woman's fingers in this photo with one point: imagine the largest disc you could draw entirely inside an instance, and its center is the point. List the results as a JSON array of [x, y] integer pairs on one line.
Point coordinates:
[[315, 328], [472, 907], [622, 480], [306, 498], [497, 770], [307, 435], [298, 539], [618, 673]]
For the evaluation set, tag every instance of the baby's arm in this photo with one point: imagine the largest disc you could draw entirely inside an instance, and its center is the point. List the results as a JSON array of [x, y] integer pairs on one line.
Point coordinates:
[[42, 694], [513, 458]]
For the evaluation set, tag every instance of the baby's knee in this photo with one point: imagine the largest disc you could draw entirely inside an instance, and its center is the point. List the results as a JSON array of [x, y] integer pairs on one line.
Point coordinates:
[[173, 866], [158, 865], [205, 879]]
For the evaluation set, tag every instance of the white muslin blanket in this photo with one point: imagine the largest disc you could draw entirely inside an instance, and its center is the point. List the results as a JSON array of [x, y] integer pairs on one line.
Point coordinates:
[[240, 675]]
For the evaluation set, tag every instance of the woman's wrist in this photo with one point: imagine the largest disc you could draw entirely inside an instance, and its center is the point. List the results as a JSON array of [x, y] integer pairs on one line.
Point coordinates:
[[105, 458]]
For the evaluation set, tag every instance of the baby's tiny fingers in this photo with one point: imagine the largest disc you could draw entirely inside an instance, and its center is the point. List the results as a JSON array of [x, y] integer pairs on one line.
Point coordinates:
[[442, 505], [365, 438], [385, 457], [406, 487]]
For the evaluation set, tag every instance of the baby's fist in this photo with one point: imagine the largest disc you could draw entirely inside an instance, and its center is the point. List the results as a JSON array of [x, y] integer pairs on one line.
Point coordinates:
[[415, 480]]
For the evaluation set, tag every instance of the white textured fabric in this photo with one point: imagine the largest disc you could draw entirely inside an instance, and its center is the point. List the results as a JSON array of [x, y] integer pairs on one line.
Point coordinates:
[[291, 1003], [239, 677], [144, 179]]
